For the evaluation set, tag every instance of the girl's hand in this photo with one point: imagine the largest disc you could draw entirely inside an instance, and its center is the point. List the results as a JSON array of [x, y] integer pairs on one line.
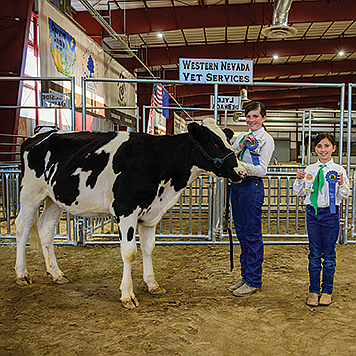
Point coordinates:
[[340, 178], [300, 174], [250, 138]]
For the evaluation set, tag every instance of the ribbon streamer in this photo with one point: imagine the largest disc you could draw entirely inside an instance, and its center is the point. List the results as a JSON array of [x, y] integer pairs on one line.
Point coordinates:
[[251, 146], [331, 178]]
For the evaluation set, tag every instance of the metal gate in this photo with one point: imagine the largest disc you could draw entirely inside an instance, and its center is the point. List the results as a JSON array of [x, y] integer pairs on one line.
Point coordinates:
[[197, 218]]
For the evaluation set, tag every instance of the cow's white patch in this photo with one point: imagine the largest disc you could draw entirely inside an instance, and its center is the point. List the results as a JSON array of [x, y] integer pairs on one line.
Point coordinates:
[[152, 215], [95, 201], [49, 171], [45, 138], [211, 125], [113, 145]]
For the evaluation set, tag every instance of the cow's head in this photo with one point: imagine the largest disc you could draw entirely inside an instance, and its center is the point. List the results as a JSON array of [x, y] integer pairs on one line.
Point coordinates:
[[216, 156]]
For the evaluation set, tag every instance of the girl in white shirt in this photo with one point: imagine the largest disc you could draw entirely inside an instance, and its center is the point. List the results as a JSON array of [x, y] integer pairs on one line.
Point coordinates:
[[254, 151], [324, 184]]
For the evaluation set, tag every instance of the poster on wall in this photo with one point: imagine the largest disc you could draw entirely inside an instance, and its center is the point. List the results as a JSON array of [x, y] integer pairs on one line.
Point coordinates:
[[62, 48], [65, 51], [180, 125]]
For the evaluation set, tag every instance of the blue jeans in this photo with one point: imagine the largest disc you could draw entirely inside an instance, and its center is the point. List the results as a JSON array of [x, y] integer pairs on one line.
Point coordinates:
[[246, 201], [323, 232]]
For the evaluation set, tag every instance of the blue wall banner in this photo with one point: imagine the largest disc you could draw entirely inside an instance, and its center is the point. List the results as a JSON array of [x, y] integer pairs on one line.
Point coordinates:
[[62, 48], [65, 50]]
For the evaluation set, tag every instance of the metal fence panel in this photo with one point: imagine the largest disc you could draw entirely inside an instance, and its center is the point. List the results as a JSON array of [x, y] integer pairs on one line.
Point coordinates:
[[197, 217], [66, 231]]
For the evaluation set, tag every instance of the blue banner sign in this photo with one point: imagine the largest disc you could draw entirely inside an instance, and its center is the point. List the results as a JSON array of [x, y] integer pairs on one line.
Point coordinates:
[[62, 48]]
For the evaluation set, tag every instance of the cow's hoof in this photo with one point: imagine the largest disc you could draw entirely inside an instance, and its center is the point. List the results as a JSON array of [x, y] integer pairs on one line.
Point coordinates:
[[157, 290], [62, 280], [23, 281], [130, 303]]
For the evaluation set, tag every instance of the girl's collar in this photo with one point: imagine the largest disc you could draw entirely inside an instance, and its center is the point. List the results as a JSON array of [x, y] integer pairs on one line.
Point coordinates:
[[327, 163], [261, 129]]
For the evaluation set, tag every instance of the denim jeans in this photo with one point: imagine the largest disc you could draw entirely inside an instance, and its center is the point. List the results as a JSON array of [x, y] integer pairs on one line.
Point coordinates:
[[323, 232], [246, 201]]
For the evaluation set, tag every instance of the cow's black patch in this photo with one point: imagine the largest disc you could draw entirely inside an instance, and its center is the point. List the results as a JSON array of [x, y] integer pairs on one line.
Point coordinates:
[[130, 234], [160, 192], [143, 162], [67, 152]]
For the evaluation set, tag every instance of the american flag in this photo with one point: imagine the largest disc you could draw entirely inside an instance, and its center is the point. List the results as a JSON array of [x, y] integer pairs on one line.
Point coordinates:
[[158, 97]]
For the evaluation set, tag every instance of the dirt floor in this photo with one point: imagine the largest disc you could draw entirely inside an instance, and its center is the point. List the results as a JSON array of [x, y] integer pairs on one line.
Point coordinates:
[[197, 315]]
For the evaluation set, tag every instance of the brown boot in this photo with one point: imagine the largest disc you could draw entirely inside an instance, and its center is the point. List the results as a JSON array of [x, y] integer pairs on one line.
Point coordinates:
[[313, 300], [236, 286], [245, 290], [325, 299]]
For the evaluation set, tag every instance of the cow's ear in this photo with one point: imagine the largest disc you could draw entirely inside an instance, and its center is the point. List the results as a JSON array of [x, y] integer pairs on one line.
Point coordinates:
[[228, 133], [195, 131]]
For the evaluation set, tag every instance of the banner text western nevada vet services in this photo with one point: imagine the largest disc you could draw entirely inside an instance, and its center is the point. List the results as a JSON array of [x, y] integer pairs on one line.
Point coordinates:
[[215, 71]]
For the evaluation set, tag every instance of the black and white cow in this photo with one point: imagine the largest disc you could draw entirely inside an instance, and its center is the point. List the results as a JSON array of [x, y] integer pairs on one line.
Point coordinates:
[[133, 176]]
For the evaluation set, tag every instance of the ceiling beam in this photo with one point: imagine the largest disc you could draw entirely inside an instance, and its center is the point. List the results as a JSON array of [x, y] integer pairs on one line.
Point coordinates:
[[145, 20], [165, 56], [305, 68]]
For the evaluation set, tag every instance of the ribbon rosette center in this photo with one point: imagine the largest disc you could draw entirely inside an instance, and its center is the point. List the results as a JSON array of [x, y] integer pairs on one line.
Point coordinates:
[[252, 145]]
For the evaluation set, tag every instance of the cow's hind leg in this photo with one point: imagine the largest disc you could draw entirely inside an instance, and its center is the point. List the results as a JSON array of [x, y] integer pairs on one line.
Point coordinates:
[[25, 222], [46, 228], [147, 239], [127, 228]]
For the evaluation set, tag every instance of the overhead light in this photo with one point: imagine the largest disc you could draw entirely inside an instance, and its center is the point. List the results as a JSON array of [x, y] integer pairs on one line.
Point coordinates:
[[243, 95], [160, 34], [275, 56], [341, 53], [279, 31]]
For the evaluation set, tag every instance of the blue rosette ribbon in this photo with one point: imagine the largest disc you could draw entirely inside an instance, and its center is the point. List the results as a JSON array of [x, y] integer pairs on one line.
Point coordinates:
[[251, 146], [331, 178]]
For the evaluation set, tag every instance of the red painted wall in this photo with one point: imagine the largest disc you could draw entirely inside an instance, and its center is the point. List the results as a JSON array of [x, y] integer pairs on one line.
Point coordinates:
[[14, 30]]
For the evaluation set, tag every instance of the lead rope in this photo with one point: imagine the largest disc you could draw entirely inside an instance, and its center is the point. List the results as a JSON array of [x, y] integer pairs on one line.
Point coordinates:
[[226, 224]]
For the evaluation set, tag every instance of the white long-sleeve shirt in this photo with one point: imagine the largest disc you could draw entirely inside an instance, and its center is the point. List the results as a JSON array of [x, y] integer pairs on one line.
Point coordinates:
[[341, 191], [266, 150]]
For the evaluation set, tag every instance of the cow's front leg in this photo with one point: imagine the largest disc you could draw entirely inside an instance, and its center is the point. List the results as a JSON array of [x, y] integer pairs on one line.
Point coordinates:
[[127, 229], [147, 239]]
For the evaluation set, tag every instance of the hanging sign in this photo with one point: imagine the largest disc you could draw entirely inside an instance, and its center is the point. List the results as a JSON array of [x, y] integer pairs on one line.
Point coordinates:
[[120, 118], [55, 100], [215, 71], [227, 103]]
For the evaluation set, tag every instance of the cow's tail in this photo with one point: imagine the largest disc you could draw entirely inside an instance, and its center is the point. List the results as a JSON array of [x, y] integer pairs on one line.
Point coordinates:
[[35, 241]]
